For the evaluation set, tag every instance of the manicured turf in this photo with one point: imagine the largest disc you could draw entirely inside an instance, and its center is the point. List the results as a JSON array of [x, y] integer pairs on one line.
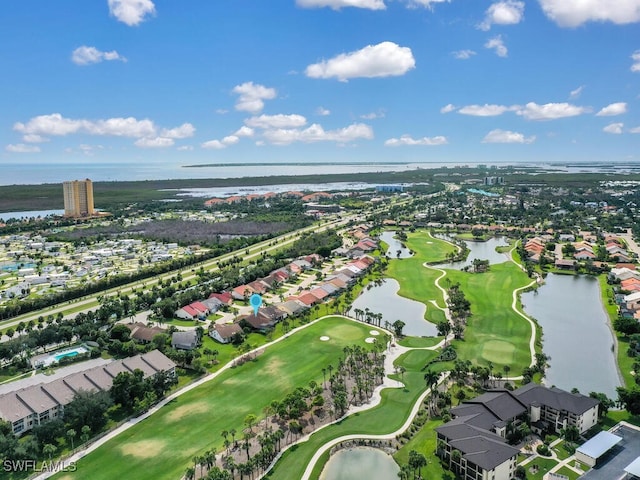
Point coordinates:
[[494, 332], [384, 418], [163, 445], [424, 442], [419, 342], [416, 281]]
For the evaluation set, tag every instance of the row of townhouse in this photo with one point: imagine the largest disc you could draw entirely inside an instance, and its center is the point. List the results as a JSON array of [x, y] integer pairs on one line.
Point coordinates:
[[479, 428], [628, 290], [33, 405], [268, 316]]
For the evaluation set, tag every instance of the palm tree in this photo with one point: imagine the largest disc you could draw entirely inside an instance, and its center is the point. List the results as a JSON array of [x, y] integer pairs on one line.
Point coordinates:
[[71, 434], [49, 449]]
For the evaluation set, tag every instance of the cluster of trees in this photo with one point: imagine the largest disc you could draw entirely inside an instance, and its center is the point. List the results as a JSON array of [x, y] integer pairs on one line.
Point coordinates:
[[134, 393], [540, 365], [460, 309]]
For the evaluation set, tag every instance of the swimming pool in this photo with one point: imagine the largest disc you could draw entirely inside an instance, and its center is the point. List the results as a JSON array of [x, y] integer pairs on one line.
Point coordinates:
[[55, 357]]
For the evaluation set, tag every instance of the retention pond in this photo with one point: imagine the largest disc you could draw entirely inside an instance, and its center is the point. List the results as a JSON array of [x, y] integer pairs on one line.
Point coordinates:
[[360, 463]]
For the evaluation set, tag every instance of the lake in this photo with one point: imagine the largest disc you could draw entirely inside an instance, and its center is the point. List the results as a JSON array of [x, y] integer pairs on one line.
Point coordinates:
[[4, 216], [394, 245], [576, 334], [384, 299], [480, 250], [358, 463]]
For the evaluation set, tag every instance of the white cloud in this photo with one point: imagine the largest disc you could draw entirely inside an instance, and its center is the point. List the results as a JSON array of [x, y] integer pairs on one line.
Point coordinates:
[[463, 54], [615, 128], [54, 124], [276, 121], [508, 12], [323, 112], [220, 144], [244, 132], [612, 110], [497, 44], [634, 130], [506, 136], [252, 96], [373, 115], [406, 140], [221, 111], [424, 3], [185, 148], [155, 142], [121, 127], [635, 66], [33, 138], [87, 55], [485, 110], [383, 60], [448, 108], [572, 13], [22, 148], [550, 111], [131, 12], [338, 4], [315, 133], [576, 93], [185, 130]]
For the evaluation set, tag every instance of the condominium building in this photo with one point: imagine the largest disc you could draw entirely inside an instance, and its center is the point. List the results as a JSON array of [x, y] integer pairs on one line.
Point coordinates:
[[78, 198]]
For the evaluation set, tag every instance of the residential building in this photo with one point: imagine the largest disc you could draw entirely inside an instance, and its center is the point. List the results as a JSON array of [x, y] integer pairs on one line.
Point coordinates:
[[78, 198], [224, 332], [184, 340]]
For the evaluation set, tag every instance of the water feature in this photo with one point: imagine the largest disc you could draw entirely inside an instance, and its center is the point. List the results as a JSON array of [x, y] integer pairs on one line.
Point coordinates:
[[394, 245], [384, 299], [576, 334], [360, 462], [4, 216], [480, 250]]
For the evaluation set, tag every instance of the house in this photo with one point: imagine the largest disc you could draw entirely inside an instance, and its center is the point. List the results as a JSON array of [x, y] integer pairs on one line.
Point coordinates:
[[184, 340], [142, 333], [224, 332], [632, 301], [623, 273], [308, 299], [242, 292], [224, 298], [32, 405], [187, 312], [319, 293], [213, 304], [259, 322], [584, 255], [291, 307], [273, 312], [258, 287]]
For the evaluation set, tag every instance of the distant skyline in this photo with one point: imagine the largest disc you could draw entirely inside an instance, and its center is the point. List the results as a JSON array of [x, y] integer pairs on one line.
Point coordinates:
[[233, 81]]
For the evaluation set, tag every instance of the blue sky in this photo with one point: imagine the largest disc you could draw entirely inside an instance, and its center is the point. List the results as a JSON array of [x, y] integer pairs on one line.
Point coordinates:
[[217, 81]]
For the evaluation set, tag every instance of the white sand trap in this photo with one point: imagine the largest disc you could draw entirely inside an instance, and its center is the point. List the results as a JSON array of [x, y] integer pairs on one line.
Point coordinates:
[[370, 340], [428, 243], [375, 333], [324, 338]]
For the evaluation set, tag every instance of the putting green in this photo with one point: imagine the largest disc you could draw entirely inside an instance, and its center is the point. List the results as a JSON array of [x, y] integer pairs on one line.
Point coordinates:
[[498, 351]]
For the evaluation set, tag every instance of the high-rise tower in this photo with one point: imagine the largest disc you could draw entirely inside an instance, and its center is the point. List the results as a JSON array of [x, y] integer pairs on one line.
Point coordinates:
[[78, 198]]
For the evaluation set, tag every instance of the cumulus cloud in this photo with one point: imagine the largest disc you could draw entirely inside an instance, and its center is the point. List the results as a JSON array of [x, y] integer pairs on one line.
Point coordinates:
[[576, 93], [507, 136], [244, 132], [508, 12], [448, 108], [615, 128], [572, 13], [373, 115], [550, 111], [485, 110], [131, 12], [39, 128], [407, 140], [385, 59], [315, 133], [463, 54], [635, 66], [225, 142], [251, 96], [424, 3], [497, 44], [612, 110], [323, 112], [338, 4], [634, 130], [88, 55], [276, 121], [185, 148], [156, 142], [22, 148], [213, 145]]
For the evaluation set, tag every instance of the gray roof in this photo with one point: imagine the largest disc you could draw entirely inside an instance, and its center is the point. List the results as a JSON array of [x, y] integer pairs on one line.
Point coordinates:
[[136, 363], [599, 445], [501, 403], [555, 398], [187, 339]]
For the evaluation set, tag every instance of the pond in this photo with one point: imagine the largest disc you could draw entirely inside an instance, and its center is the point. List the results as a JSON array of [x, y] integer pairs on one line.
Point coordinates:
[[394, 245], [480, 250], [4, 216], [384, 299], [576, 334], [358, 463]]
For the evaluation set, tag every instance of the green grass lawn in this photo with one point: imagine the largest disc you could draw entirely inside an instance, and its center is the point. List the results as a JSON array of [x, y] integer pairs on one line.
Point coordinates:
[[569, 473], [424, 442], [494, 332], [416, 281], [387, 417], [163, 445], [419, 342], [543, 464]]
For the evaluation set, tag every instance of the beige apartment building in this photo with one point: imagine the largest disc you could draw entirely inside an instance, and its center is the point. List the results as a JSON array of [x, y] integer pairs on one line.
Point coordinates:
[[78, 198]]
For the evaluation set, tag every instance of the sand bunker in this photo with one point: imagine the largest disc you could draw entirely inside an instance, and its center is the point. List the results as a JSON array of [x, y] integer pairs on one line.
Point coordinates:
[[375, 333], [324, 338], [187, 409], [370, 340]]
